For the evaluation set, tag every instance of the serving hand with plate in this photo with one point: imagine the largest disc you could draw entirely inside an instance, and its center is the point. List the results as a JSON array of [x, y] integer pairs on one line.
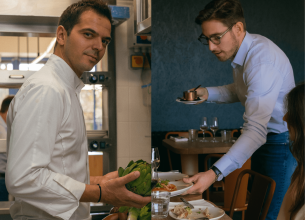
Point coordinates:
[[194, 96]]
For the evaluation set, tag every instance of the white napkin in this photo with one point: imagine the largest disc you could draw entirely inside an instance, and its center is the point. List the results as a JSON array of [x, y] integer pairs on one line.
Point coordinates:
[[178, 139], [199, 202]]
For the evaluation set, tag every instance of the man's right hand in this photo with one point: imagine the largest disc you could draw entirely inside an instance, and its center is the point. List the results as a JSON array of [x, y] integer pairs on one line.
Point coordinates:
[[202, 93], [115, 193]]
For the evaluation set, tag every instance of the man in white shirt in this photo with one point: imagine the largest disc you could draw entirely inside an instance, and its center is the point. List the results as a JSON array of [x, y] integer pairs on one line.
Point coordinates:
[[3, 158], [262, 77], [47, 169]]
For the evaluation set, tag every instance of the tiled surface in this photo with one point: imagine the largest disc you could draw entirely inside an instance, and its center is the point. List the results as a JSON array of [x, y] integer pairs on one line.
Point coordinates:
[[140, 139], [133, 118], [135, 78], [122, 71], [122, 104], [123, 137], [121, 42], [123, 161], [137, 111]]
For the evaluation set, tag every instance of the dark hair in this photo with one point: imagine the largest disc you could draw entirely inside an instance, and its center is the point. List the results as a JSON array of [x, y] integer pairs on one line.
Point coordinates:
[[6, 103], [70, 17], [295, 104], [229, 12]]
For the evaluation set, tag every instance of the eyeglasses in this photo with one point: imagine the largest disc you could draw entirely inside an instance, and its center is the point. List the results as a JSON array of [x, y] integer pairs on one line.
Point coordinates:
[[215, 39]]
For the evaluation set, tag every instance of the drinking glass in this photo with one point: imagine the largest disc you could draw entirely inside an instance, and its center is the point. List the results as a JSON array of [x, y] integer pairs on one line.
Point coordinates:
[[159, 204], [214, 127], [226, 136], [155, 158], [193, 135], [203, 127]]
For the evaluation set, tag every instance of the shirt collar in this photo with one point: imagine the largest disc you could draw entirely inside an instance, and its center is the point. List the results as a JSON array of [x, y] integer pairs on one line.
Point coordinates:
[[242, 51], [64, 71]]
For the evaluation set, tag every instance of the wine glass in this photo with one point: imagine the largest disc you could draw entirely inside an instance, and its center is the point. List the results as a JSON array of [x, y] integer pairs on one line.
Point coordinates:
[[155, 163], [214, 127], [203, 127], [155, 158], [154, 178]]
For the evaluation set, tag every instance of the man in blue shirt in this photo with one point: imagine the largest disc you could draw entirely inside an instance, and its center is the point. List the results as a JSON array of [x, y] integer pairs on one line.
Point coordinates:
[[3, 157], [262, 77]]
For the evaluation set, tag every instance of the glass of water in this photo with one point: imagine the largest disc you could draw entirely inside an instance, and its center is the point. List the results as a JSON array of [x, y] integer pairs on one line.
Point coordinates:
[[159, 204]]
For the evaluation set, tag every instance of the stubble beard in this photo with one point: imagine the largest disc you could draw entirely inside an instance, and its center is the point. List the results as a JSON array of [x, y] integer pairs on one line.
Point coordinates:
[[230, 55]]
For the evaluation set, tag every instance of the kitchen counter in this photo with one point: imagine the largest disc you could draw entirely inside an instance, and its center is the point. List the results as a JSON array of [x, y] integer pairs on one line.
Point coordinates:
[[5, 208]]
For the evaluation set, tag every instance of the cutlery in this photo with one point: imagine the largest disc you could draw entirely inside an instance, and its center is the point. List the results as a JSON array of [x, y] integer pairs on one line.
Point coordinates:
[[197, 87], [187, 203]]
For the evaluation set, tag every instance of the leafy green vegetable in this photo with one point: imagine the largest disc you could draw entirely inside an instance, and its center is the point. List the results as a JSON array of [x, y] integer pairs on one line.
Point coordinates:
[[140, 214], [165, 182], [140, 186], [188, 209]]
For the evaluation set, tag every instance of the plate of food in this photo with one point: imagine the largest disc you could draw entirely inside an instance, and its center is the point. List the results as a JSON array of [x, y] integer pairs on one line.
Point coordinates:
[[182, 212], [175, 188], [196, 101]]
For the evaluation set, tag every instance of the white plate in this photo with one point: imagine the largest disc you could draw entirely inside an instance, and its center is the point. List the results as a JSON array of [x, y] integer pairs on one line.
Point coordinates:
[[176, 179], [189, 102], [215, 213], [171, 176], [181, 187]]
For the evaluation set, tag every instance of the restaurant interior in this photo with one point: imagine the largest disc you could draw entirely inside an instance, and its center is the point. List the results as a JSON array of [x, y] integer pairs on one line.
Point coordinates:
[[180, 62], [130, 98]]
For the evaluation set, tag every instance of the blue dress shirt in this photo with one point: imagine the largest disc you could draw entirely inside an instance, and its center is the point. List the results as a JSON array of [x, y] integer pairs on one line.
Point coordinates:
[[262, 77]]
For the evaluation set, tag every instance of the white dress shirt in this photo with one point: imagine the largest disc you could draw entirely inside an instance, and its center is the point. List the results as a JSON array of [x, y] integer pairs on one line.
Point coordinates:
[[3, 157], [47, 165], [262, 77]]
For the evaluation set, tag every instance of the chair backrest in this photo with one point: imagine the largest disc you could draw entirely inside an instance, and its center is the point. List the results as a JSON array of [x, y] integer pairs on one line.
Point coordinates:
[[184, 133], [177, 133], [229, 185], [233, 131], [257, 206]]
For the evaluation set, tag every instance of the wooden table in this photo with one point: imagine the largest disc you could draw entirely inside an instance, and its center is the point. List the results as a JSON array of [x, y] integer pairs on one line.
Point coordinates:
[[189, 151], [190, 198]]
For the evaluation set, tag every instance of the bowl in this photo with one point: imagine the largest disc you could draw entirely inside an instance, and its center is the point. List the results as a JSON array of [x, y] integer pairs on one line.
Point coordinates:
[[190, 95]]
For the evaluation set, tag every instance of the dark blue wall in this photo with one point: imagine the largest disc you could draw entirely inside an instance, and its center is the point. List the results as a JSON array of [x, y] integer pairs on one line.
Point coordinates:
[[180, 62]]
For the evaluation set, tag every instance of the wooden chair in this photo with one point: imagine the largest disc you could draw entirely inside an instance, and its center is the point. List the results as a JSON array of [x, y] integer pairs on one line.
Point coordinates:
[[257, 205], [180, 134], [233, 131], [228, 186]]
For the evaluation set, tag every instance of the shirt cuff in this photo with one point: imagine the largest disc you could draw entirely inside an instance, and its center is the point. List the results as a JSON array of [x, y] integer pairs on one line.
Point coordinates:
[[214, 94], [75, 187], [225, 165]]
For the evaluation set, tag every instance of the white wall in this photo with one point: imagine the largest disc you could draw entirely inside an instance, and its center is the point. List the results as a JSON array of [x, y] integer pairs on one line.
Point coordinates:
[[133, 118]]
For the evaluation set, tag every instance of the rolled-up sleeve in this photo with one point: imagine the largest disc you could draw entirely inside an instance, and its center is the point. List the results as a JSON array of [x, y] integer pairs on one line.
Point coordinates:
[[34, 119], [263, 83], [222, 94]]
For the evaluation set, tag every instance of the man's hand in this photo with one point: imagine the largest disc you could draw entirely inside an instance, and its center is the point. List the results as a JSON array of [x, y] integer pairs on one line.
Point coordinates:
[[201, 181], [101, 179], [202, 93], [114, 192]]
